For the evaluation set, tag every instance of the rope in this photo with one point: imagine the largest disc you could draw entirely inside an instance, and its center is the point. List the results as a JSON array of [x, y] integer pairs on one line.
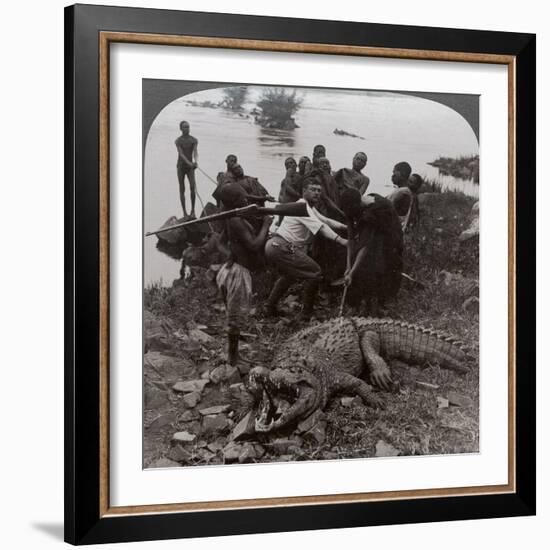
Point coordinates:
[[211, 179]]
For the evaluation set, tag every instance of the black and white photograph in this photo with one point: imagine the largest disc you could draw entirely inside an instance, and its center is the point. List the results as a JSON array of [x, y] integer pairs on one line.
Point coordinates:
[[311, 274]]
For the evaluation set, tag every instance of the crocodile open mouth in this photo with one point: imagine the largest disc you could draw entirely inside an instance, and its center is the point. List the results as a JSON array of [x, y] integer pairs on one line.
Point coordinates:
[[285, 397]]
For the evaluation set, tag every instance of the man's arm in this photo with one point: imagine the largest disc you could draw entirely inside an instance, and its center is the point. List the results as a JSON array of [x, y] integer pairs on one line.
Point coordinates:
[[364, 185], [182, 155], [328, 233], [195, 154], [333, 224]]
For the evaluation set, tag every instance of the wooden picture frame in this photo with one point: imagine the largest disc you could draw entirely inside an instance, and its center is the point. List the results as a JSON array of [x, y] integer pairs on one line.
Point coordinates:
[[89, 33]]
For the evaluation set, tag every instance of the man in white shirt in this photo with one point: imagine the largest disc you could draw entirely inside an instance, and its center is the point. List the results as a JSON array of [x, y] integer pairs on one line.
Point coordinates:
[[288, 250]]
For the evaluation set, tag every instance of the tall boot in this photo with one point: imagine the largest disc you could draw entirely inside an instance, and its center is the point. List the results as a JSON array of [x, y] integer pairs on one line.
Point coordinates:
[[277, 292], [310, 293], [233, 348]]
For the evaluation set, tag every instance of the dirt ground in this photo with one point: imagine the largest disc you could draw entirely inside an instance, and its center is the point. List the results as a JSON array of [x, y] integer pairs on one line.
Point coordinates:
[[197, 409]]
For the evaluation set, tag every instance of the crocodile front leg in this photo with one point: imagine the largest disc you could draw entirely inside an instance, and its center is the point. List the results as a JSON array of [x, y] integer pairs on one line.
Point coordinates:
[[380, 374], [349, 384]]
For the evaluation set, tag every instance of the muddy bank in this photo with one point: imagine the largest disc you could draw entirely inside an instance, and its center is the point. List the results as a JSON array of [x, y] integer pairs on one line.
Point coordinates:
[[197, 410]]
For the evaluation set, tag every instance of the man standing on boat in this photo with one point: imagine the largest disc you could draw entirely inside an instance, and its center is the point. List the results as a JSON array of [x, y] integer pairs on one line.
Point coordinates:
[[188, 157]]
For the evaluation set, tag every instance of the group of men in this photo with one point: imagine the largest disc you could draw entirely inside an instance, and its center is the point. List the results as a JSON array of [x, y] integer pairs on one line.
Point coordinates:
[[344, 231]]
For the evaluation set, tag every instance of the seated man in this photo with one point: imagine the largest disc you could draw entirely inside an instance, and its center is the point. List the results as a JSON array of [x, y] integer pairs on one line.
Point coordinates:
[[353, 178], [288, 250], [256, 192], [224, 177], [375, 251], [234, 279]]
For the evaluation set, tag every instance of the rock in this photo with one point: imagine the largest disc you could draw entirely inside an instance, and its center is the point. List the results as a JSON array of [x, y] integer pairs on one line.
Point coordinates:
[[170, 368], [183, 437], [157, 332], [385, 449], [217, 409], [162, 421], [475, 209], [459, 400], [216, 446], [346, 401], [244, 428], [225, 373], [189, 416], [248, 453], [155, 398], [471, 304], [231, 452], [191, 400], [179, 454], [357, 402], [205, 455], [164, 463], [471, 232], [438, 230], [310, 421], [199, 336], [260, 451], [280, 446], [190, 386], [442, 403], [212, 424], [284, 458], [329, 455], [317, 434]]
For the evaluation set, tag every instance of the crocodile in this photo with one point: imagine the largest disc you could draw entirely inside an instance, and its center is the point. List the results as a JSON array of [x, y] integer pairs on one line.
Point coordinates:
[[327, 358]]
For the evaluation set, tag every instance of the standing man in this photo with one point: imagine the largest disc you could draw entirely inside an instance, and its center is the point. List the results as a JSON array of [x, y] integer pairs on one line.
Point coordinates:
[[289, 248], [188, 158], [234, 278], [403, 198], [289, 191], [375, 251], [353, 178], [319, 151]]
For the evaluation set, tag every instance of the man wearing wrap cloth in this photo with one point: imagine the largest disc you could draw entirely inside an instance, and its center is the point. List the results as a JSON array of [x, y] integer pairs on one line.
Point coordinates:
[[375, 250], [234, 278]]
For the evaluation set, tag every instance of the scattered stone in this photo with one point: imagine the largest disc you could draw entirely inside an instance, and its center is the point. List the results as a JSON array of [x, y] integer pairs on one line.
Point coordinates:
[[442, 403], [248, 453], [459, 400], [280, 446], [183, 437], [260, 451], [329, 455], [471, 232], [164, 463], [211, 424], [244, 368], [191, 400], [216, 409], [225, 373], [199, 336], [189, 416], [231, 452], [216, 446], [206, 455], [179, 454], [190, 386], [244, 428], [154, 398], [385, 449], [284, 458], [346, 401], [161, 421], [439, 230], [310, 421]]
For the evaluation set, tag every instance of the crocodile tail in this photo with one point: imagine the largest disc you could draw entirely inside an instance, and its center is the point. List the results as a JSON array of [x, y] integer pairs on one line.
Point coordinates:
[[447, 351]]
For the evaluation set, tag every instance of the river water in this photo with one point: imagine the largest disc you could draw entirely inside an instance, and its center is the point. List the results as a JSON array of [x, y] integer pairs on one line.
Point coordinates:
[[395, 127]]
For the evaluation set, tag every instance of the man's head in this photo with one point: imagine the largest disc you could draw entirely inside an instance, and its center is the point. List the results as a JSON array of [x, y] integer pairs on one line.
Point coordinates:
[[359, 161], [184, 127], [237, 170], [311, 191], [233, 195], [290, 164], [324, 165], [415, 183], [350, 203], [401, 173], [319, 151], [304, 165], [230, 160]]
